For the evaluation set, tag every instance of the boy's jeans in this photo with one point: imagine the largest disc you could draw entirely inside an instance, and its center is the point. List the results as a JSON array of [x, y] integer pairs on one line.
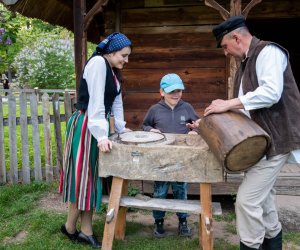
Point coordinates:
[[161, 190]]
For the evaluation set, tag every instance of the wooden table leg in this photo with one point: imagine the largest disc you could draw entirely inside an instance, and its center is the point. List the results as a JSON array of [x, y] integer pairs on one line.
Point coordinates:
[[114, 202], [206, 217], [121, 219]]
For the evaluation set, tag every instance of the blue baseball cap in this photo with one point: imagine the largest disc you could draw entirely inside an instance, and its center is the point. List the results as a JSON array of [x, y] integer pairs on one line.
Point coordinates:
[[171, 82]]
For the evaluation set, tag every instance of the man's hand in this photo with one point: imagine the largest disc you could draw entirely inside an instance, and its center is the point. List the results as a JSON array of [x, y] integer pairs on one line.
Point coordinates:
[[221, 106]]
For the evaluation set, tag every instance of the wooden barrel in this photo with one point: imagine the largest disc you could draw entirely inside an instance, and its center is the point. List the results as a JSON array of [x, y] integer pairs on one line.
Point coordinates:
[[236, 141]]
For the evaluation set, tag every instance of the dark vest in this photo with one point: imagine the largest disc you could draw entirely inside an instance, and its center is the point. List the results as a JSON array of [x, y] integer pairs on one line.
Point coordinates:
[[109, 95], [281, 121]]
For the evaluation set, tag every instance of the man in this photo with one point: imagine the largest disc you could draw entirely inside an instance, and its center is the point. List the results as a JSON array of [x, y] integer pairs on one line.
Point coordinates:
[[266, 90]]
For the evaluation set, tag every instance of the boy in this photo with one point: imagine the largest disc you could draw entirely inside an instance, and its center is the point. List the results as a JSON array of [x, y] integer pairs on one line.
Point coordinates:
[[170, 115]]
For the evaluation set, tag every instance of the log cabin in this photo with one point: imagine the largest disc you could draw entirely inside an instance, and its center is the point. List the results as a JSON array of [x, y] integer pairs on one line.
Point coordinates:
[[174, 36]]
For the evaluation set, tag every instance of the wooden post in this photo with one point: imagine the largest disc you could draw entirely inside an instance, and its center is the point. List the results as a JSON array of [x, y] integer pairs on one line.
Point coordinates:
[[121, 219], [80, 41], [205, 224], [81, 24], [113, 209]]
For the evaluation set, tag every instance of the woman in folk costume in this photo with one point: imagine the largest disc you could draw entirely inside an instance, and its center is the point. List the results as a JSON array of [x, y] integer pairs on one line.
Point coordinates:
[[88, 129]]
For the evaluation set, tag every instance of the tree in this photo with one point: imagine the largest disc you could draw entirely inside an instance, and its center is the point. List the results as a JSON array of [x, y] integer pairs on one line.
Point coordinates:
[[47, 63], [9, 26]]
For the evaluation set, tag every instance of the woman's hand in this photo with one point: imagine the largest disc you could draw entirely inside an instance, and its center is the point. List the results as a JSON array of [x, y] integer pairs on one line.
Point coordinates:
[[126, 130], [105, 145]]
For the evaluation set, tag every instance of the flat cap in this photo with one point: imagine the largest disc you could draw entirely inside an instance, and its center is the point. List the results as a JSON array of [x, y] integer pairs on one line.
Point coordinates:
[[227, 26]]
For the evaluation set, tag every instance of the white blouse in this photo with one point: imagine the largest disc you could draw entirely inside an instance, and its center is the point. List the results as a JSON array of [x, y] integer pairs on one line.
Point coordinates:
[[95, 76]]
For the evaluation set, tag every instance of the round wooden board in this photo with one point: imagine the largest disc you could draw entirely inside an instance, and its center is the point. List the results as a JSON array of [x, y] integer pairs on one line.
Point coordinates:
[[141, 137]]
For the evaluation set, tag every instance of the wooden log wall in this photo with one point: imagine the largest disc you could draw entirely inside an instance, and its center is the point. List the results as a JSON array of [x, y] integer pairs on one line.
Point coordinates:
[[169, 38], [173, 36]]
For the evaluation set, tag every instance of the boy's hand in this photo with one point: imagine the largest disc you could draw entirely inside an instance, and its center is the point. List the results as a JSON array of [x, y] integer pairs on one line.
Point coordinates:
[[155, 130], [194, 124], [192, 133]]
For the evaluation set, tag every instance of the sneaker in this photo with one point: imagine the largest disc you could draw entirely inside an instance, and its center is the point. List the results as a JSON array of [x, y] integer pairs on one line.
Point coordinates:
[[183, 229], [159, 231]]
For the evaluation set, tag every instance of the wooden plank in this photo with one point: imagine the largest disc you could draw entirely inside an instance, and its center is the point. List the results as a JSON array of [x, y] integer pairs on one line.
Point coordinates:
[[24, 138], [113, 207], [170, 205], [121, 220], [187, 74], [47, 137], [266, 9], [35, 137], [40, 119], [202, 86], [2, 151], [68, 106], [176, 57], [169, 30], [157, 3], [181, 15], [287, 183], [147, 39], [57, 131], [13, 162], [184, 163], [206, 227]]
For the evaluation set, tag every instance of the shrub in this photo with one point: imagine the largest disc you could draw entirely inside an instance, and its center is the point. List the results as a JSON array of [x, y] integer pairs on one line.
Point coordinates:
[[48, 63]]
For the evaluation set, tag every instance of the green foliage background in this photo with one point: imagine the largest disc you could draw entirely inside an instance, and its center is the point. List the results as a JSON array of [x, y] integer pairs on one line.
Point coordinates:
[[40, 54]]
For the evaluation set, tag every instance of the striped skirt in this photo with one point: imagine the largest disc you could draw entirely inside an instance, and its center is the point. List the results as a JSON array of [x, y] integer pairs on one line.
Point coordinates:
[[79, 181]]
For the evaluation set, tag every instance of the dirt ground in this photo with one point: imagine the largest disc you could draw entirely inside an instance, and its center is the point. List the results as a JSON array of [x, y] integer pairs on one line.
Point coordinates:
[[221, 229]]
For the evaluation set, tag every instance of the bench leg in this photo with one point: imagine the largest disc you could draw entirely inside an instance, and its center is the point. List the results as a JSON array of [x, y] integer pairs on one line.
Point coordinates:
[[113, 207], [121, 219], [206, 217]]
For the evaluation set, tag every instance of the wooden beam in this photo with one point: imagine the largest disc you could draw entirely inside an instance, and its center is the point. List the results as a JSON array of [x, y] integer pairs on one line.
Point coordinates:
[[80, 39], [9, 2], [249, 7], [213, 4], [235, 7], [98, 7]]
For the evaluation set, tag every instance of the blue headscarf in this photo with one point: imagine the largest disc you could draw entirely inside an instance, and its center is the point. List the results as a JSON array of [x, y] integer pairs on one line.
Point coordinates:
[[114, 42]]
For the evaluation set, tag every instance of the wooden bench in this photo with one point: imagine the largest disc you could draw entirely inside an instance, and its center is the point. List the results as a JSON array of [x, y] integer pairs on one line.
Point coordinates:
[[179, 162]]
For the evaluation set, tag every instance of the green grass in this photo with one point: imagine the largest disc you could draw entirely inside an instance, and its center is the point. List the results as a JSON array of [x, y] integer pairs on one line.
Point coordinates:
[[24, 224]]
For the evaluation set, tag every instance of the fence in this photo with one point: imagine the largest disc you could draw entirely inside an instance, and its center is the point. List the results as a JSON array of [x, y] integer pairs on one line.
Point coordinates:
[[36, 102]]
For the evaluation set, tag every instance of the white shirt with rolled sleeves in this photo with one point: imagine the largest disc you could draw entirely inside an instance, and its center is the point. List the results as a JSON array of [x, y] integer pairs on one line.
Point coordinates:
[[270, 82], [95, 76]]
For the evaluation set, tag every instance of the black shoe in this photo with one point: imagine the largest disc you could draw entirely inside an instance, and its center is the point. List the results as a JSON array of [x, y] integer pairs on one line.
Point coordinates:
[[72, 237], [183, 229], [274, 243], [159, 231], [88, 239]]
